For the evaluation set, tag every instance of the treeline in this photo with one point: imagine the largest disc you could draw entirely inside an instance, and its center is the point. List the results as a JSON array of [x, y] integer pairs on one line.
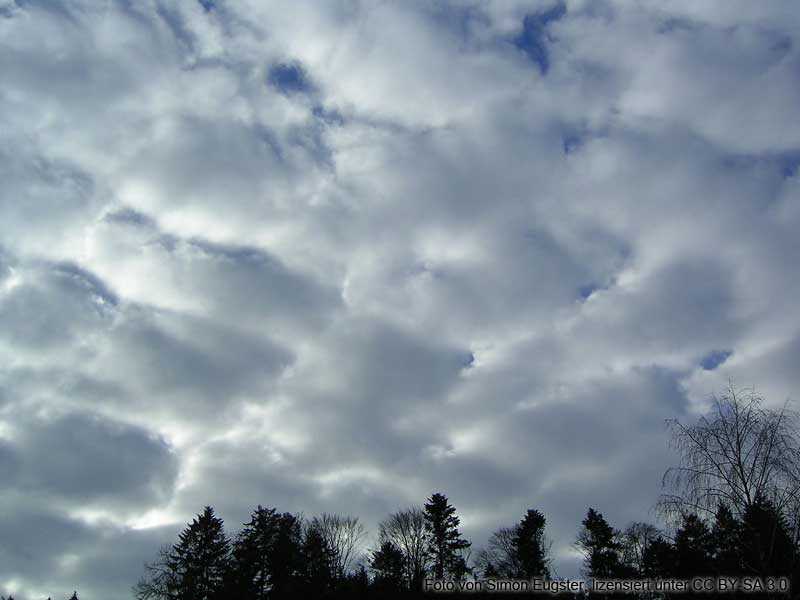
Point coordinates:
[[282, 555], [760, 544]]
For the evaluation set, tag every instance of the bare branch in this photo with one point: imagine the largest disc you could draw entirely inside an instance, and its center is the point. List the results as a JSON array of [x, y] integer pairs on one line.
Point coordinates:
[[737, 453]]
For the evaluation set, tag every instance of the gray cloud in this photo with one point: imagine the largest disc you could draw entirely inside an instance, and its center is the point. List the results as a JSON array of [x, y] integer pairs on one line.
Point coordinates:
[[87, 460]]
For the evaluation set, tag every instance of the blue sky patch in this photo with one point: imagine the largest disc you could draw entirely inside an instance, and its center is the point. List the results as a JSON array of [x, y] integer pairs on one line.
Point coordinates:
[[789, 163], [289, 78], [587, 290], [329, 117], [533, 38], [468, 360], [714, 359], [571, 142], [786, 163]]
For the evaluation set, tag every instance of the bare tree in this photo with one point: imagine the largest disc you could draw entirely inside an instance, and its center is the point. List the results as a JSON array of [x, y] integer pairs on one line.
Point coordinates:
[[160, 581], [406, 530], [342, 535], [741, 451], [500, 557], [635, 541]]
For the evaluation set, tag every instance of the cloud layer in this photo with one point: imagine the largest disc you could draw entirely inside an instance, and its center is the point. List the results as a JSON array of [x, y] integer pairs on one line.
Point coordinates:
[[339, 255]]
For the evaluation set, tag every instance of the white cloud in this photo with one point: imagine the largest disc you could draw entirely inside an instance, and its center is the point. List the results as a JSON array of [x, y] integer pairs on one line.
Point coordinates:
[[424, 264]]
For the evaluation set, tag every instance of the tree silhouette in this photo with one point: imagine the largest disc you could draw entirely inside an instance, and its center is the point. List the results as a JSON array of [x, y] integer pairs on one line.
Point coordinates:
[[739, 468], [736, 454], [726, 535], [635, 541], [355, 585], [694, 547], [405, 529], [658, 559], [160, 581], [499, 558], [530, 546], [287, 555], [766, 544], [318, 572], [445, 544], [342, 535], [195, 568], [389, 565], [598, 543], [266, 555]]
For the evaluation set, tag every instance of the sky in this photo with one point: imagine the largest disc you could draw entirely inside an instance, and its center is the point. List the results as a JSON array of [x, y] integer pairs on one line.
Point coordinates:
[[338, 255]]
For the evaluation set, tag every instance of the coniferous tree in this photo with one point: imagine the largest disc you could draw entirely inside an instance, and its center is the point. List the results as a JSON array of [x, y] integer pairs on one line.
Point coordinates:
[[389, 565], [200, 559], [319, 574], [694, 547], [693, 551], [287, 555], [445, 544], [251, 573], [767, 548], [658, 559], [530, 546], [726, 536], [265, 555], [598, 542]]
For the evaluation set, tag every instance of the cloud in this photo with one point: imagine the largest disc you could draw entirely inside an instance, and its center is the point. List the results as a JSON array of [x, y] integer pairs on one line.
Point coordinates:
[[88, 461], [337, 256]]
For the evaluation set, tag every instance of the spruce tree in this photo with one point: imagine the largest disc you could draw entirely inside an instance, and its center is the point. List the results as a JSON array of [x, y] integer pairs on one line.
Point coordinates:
[[694, 547], [287, 557], [389, 566], [201, 558], [319, 576], [694, 551], [266, 555], [445, 544], [726, 536], [529, 546], [658, 559], [767, 548], [600, 547]]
